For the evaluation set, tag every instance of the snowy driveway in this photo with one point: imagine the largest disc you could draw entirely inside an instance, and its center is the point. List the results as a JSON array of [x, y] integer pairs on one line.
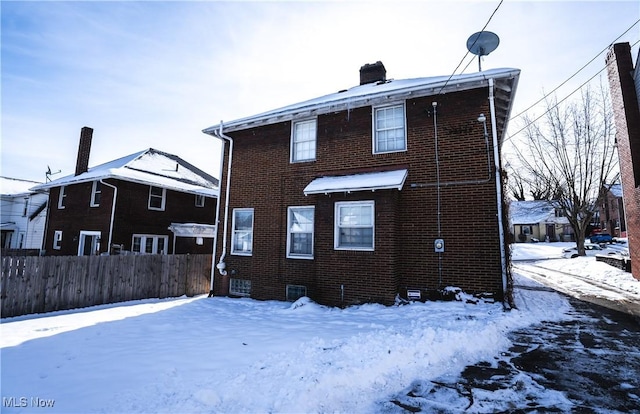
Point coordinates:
[[587, 363]]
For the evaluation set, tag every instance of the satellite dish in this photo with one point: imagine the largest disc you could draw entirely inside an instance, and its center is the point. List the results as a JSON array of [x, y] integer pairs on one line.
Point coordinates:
[[482, 43]]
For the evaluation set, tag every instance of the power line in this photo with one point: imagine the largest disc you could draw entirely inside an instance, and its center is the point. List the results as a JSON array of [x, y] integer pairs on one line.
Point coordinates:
[[578, 71], [562, 100], [465, 55]]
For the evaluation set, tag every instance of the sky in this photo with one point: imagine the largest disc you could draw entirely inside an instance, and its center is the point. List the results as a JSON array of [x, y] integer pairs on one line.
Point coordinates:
[[154, 74], [244, 355]]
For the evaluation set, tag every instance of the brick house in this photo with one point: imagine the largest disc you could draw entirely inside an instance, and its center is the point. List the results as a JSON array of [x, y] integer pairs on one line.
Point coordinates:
[[150, 202], [624, 83], [610, 214], [392, 187], [539, 220]]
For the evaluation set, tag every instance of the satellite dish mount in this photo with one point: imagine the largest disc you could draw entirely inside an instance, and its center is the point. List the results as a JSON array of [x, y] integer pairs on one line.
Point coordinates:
[[481, 44]]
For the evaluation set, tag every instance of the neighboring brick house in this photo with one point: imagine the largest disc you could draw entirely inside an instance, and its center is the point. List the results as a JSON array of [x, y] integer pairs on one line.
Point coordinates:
[[610, 214], [538, 220], [624, 83], [386, 188], [23, 215], [150, 202]]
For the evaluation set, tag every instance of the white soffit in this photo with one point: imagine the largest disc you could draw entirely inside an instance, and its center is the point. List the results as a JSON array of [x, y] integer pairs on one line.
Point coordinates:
[[383, 180]]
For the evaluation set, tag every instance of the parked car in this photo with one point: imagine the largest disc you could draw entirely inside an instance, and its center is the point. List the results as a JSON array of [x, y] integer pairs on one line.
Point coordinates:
[[590, 250], [601, 238]]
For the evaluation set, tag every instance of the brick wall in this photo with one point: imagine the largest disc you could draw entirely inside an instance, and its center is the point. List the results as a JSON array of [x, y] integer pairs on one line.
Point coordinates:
[[132, 216], [627, 119], [406, 220]]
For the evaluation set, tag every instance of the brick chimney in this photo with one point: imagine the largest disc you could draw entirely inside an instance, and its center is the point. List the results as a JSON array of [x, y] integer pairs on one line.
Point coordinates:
[[372, 72], [82, 162]]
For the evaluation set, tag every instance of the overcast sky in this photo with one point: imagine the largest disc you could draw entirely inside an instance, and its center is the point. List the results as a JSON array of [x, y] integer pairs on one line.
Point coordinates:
[[154, 74]]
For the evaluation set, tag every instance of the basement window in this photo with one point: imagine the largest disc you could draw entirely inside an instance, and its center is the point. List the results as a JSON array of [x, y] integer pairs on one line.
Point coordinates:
[[295, 292], [240, 287]]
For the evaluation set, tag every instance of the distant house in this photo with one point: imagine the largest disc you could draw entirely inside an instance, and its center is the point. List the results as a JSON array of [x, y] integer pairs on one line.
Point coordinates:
[[150, 202], [611, 214], [538, 220], [389, 188], [624, 83], [23, 214]]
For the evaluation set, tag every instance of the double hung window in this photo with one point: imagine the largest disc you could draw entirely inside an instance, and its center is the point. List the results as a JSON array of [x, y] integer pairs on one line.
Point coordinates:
[[354, 227], [242, 237], [303, 141], [157, 198], [389, 132], [96, 193], [300, 232]]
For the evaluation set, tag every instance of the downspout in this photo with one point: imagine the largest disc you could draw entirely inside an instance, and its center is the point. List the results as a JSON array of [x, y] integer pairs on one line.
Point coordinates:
[[496, 160], [221, 263], [217, 222], [113, 212]]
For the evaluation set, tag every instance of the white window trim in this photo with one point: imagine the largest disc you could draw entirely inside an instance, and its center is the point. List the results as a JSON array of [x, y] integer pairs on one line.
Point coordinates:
[[374, 142], [292, 143], [336, 238], [233, 233], [82, 239], [61, 198], [94, 191], [313, 235], [199, 200], [57, 239], [154, 249], [164, 198]]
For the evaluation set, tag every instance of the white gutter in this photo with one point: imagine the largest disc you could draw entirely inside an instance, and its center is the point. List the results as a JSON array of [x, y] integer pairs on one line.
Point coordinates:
[[219, 134], [113, 213], [217, 222], [496, 160]]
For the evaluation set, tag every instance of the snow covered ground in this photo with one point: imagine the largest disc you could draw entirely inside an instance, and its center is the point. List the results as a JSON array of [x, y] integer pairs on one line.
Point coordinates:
[[222, 355]]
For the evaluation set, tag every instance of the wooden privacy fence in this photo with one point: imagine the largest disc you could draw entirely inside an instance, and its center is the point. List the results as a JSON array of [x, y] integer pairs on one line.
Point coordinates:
[[44, 284]]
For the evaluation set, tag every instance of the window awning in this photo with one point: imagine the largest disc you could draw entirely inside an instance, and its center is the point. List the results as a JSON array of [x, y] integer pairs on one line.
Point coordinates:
[[193, 230], [383, 180]]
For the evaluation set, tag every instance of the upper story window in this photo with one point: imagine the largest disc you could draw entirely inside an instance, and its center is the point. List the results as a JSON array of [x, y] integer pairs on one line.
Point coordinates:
[[96, 193], [389, 132], [26, 207], [242, 237], [61, 197], [300, 232], [199, 200], [354, 228], [303, 141], [157, 198]]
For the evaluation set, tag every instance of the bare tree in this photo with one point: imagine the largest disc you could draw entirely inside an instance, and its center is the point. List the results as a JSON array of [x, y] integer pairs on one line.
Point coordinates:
[[570, 155]]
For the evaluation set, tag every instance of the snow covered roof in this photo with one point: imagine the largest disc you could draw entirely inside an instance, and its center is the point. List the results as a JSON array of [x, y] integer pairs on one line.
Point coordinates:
[[378, 92], [15, 186], [534, 212], [151, 167], [384, 180], [616, 190]]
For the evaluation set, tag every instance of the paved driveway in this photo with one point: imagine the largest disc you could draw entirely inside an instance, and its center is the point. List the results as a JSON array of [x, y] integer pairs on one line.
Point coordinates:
[[588, 364]]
